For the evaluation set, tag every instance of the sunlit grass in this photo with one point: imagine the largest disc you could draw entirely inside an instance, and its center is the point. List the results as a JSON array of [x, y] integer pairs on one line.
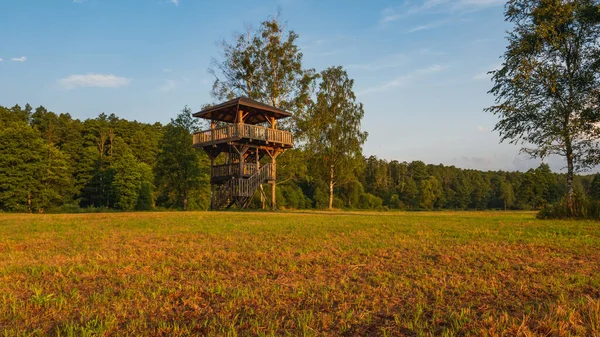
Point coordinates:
[[235, 274]]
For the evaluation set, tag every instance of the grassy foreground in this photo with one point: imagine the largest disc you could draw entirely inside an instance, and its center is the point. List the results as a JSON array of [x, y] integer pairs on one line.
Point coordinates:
[[236, 274]]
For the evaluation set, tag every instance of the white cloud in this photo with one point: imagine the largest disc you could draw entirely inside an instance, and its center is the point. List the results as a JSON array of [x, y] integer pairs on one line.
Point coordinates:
[[481, 76], [429, 26], [484, 40], [169, 85], [391, 61], [1, 60], [429, 52], [331, 53], [174, 2], [402, 81], [484, 75], [167, 70], [431, 69], [482, 129], [480, 3], [392, 14], [308, 44], [93, 80], [398, 82], [19, 59]]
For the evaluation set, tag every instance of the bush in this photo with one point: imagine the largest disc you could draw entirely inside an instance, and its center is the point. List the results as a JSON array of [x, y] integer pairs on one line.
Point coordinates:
[[369, 201], [581, 209], [145, 198], [66, 208], [338, 202], [74, 208]]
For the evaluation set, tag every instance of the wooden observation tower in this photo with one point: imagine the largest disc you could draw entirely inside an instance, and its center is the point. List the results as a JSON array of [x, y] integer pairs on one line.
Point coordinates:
[[244, 131]]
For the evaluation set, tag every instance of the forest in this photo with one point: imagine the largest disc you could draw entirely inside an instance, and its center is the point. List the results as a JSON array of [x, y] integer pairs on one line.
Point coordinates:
[[52, 162]]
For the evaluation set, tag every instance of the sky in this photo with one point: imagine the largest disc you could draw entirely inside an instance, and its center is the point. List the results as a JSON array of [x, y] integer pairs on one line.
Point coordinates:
[[419, 67]]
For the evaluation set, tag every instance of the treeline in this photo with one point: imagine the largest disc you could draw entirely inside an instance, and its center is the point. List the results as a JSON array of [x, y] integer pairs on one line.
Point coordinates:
[[416, 185], [53, 162]]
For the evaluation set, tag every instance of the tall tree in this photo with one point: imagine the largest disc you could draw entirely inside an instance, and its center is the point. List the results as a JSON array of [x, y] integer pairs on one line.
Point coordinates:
[[177, 169], [21, 166], [56, 183], [265, 65], [127, 176], [547, 91], [430, 191], [507, 194], [332, 128], [595, 187]]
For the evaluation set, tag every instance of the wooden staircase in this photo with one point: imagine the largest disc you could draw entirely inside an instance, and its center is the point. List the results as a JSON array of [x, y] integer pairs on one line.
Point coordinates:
[[239, 191]]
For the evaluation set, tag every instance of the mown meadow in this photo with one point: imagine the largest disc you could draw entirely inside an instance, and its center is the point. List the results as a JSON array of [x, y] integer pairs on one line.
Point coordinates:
[[298, 274]]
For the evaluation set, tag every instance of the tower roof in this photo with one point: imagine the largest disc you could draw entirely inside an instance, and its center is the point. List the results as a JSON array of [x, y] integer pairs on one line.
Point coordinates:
[[257, 112]]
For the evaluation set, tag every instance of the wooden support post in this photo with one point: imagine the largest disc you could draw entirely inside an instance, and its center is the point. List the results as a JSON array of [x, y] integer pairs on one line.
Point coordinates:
[[273, 154], [242, 152], [241, 116], [212, 185], [263, 197], [274, 183], [257, 160]]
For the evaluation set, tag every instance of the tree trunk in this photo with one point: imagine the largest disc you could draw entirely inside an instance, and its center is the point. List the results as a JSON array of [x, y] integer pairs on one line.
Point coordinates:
[[570, 191], [274, 195], [274, 184], [331, 187], [185, 201]]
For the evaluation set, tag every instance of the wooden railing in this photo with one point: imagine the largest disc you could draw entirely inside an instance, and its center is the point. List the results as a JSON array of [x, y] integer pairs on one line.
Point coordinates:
[[238, 131], [248, 169]]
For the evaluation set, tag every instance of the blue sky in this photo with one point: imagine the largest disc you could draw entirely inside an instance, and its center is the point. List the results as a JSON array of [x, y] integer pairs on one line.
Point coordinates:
[[419, 66]]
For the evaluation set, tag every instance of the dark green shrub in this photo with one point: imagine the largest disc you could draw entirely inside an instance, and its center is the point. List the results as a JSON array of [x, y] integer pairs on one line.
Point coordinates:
[[582, 208]]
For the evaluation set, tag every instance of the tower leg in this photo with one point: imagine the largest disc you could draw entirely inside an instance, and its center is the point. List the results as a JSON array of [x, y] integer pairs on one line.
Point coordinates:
[[273, 196], [274, 182], [212, 186], [273, 155]]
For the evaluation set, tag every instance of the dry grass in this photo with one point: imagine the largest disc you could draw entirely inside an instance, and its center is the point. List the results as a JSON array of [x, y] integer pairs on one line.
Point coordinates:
[[237, 274]]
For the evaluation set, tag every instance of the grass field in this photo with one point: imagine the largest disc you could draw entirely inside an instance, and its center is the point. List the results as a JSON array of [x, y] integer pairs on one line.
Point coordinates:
[[238, 274]]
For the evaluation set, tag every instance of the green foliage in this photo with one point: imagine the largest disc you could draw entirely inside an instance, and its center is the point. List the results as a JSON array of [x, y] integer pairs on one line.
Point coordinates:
[[430, 192], [581, 208], [320, 195], [331, 126], [507, 194], [292, 197], [178, 166], [127, 177], [369, 201], [547, 96], [265, 65], [21, 167], [595, 187], [56, 185], [145, 200], [547, 89]]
